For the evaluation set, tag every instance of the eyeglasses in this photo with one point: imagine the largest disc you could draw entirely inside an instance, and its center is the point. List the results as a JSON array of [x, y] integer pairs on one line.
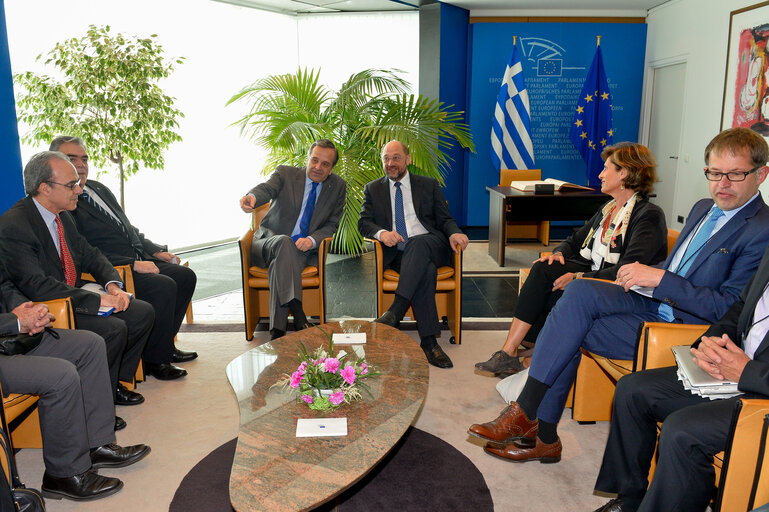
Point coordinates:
[[71, 185], [731, 175]]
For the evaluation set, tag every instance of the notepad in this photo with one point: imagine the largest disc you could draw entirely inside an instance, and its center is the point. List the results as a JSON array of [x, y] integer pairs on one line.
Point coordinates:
[[349, 338], [697, 380], [321, 427]]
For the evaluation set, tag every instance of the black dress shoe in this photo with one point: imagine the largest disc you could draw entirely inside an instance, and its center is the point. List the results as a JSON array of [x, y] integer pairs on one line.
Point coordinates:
[[165, 371], [182, 356], [388, 318], [614, 505], [120, 423], [115, 456], [437, 357], [85, 486], [125, 397], [276, 333]]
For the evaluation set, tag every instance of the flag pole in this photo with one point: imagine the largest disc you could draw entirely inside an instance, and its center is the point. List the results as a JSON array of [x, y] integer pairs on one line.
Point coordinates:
[[598, 42], [514, 37]]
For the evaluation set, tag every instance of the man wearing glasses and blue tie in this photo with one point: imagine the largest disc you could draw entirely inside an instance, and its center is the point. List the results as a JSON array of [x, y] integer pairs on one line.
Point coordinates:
[[306, 204], [717, 252]]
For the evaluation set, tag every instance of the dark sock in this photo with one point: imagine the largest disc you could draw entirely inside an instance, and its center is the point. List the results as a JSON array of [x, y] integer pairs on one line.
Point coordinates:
[[531, 396], [276, 333], [428, 342], [399, 307], [295, 305], [547, 432]]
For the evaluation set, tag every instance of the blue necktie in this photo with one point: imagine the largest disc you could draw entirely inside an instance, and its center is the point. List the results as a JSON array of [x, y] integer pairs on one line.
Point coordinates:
[[400, 217], [695, 245], [309, 207]]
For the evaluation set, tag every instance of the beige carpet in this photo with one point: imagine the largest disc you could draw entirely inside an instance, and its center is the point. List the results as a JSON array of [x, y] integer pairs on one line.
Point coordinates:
[[185, 420]]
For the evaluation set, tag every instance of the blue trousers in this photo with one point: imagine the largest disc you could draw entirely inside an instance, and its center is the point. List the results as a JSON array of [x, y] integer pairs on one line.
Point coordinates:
[[597, 315]]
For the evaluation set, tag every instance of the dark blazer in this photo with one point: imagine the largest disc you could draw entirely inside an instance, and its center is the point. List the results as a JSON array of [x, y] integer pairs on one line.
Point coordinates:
[[645, 240], [429, 204], [285, 188], [34, 266], [721, 269], [10, 298], [736, 323], [119, 246]]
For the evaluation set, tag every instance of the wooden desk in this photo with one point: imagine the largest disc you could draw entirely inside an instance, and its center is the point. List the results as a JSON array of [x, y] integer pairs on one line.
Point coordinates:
[[509, 204], [275, 471]]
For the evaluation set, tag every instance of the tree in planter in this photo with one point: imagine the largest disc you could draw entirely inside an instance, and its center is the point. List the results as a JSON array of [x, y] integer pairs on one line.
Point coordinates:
[[109, 98], [289, 112]]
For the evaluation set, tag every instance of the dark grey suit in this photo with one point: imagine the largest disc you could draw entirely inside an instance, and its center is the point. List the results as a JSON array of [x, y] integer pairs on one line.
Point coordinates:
[[72, 378], [694, 429], [272, 246], [421, 256]]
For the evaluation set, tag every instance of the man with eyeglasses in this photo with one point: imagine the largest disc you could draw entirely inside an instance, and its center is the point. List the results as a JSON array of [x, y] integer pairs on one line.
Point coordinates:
[[408, 214], [306, 204], [158, 277], [44, 256], [715, 255]]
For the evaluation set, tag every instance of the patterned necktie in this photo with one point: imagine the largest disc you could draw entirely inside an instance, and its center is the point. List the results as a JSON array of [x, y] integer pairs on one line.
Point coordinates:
[[66, 258], [400, 216], [309, 207], [90, 200], [695, 245]]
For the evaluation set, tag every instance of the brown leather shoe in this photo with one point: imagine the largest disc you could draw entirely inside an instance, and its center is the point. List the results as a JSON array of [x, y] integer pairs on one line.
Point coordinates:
[[544, 453], [511, 425]]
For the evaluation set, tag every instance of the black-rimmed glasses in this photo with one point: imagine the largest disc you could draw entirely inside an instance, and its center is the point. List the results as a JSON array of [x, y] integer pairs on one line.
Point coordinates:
[[71, 185], [731, 175]]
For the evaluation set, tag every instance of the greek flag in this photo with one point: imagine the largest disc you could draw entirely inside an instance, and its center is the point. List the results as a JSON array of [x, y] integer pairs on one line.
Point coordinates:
[[511, 146]]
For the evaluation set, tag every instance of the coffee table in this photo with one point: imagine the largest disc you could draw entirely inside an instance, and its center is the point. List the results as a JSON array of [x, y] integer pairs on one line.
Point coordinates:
[[273, 469]]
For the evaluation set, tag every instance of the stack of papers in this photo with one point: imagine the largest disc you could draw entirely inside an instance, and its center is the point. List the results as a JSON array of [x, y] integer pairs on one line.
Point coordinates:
[[697, 380]]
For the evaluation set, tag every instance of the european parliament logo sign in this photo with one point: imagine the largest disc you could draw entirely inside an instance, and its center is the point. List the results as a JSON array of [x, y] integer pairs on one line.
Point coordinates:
[[549, 67]]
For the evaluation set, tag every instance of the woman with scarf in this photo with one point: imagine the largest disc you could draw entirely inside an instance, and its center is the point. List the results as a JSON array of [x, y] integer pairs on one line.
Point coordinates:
[[626, 229]]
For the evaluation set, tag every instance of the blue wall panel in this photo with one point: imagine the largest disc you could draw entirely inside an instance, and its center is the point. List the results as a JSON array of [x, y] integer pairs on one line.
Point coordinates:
[[557, 58], [10, 154]]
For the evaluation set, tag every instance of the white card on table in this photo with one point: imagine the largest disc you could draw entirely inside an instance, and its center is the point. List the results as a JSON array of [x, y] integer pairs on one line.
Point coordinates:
[[321, 427], [349, 338]]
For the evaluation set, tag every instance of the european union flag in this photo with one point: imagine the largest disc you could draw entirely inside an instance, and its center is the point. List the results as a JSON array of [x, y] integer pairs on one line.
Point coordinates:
[[549, 67], [591, 129], [511, 146]]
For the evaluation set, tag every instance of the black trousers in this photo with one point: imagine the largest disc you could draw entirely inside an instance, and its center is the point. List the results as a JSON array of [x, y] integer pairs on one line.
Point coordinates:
[[169, 293], [537, 298], [125, 335], [418, 267], [694, 429]]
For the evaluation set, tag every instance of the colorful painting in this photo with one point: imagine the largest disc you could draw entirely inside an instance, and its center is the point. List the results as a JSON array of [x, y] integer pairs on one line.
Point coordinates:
[[746, 90]]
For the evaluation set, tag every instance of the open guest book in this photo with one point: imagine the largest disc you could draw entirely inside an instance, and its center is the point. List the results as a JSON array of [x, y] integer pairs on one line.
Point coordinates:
[[528, 186]]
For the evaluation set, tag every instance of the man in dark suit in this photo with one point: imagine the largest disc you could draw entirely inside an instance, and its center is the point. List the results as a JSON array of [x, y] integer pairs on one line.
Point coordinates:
[[694, 428], [306, 205], [45, 255], [714, 257], [158, 277], [68, 371], [410, 216]]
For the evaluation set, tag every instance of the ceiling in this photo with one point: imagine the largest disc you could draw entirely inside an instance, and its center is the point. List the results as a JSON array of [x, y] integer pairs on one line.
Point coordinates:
[[476, 7]]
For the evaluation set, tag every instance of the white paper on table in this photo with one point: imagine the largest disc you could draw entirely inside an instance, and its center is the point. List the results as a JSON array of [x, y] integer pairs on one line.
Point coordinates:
[[321, 427], [349, 338]]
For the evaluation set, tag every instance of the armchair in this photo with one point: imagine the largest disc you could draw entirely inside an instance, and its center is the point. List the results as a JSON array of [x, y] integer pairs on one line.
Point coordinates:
[[448, 291], [256, 290]]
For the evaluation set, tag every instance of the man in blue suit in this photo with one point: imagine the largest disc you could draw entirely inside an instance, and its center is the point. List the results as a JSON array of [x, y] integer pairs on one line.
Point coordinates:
[[717, 252]]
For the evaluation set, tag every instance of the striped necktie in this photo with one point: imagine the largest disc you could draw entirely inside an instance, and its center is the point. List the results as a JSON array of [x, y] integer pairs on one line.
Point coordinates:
[[66, 258], [90, 200]]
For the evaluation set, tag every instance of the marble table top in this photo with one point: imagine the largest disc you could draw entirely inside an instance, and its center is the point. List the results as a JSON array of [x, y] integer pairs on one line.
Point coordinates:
[[276, 471]]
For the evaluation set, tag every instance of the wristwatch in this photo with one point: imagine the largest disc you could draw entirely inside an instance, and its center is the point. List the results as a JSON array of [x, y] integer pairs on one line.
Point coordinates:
[[578, 275]]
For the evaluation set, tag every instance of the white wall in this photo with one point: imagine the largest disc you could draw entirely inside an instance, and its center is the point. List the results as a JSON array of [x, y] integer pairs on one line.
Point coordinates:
[[694, 31], [195, 199]]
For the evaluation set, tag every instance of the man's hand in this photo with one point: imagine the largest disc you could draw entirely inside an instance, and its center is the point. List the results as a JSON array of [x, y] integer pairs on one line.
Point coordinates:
[[117, 298], [556, 256], [145, 267], [636, 274], [720, 357], [303, 244], [458, 239], [561, 282], [168, 257], [390, 238], [33, 318], [247, 203]]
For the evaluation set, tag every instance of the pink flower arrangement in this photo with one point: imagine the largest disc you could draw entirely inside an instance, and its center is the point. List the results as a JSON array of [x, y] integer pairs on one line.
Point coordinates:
[[336, 398], [332, 364], [348, 374]]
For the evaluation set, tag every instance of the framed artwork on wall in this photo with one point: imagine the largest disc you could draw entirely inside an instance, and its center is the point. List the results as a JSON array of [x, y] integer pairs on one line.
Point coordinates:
[[746, 87]]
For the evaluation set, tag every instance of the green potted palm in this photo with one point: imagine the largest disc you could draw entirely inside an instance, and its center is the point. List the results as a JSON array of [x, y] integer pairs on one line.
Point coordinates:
[[288, 112]]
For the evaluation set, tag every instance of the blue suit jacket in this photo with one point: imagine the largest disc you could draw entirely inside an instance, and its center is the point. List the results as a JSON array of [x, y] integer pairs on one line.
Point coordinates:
[[721, 269]]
